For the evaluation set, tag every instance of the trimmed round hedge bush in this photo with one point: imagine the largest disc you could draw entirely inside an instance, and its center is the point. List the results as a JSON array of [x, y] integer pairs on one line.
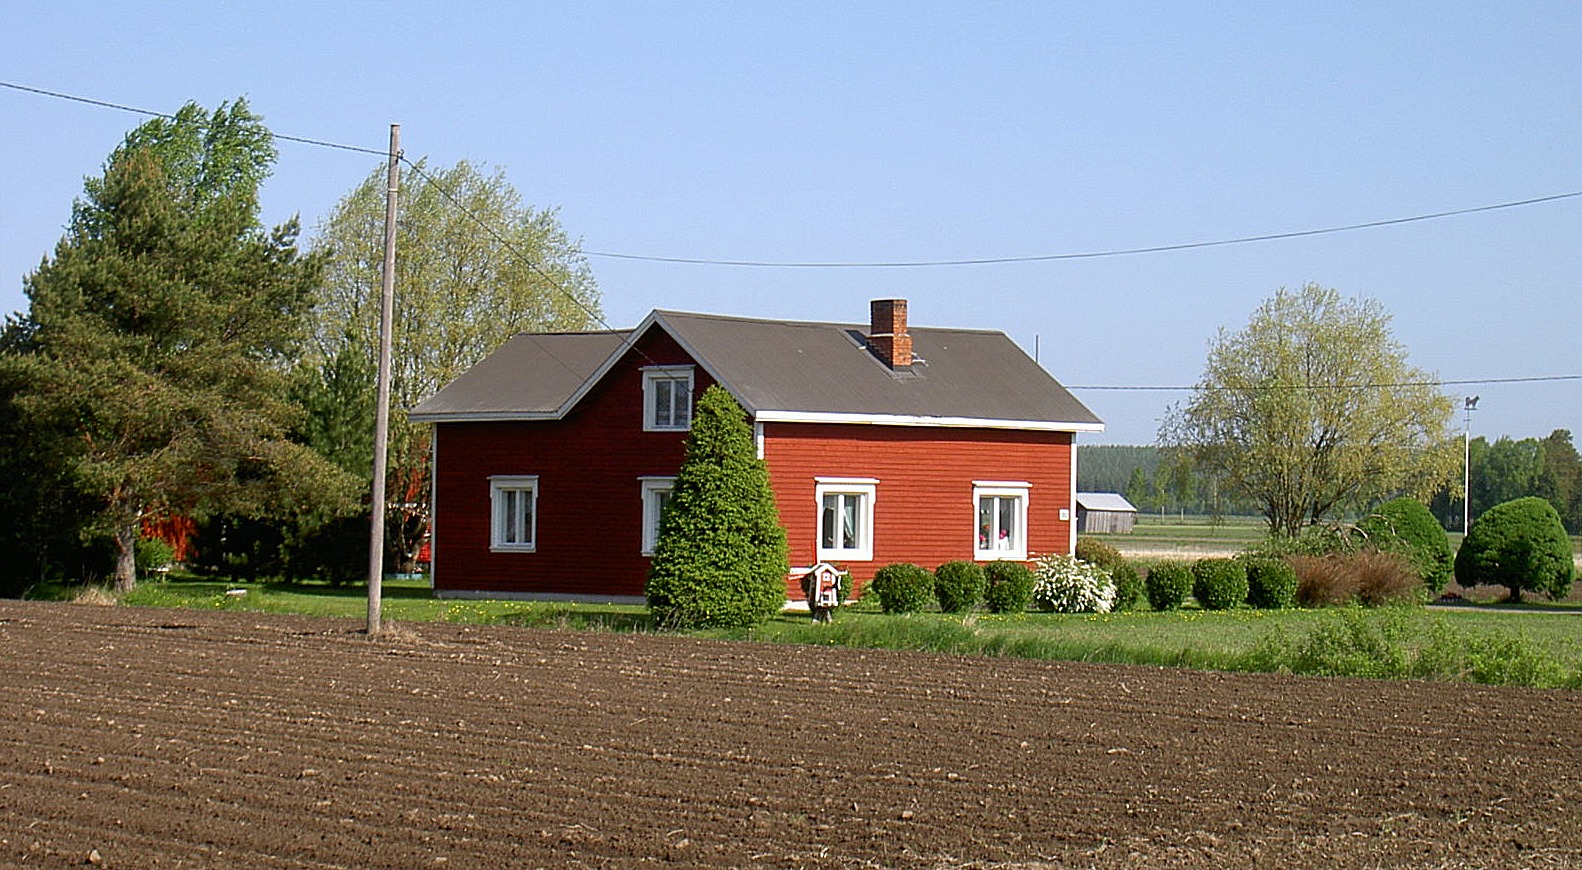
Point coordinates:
[[1521, 545], [1219, 584], [1271, 583], [959, 586], [903, 588], [1168, 584], [1129, 591], [1406, 526], [1010, 587], [1096, 552]]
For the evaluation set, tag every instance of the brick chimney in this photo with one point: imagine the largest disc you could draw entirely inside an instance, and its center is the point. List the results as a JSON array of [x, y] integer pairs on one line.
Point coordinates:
[[887, 334]]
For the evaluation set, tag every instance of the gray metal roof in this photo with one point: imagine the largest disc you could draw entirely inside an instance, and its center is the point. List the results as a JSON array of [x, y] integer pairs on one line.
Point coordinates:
[[1104, 501], [784, 370]]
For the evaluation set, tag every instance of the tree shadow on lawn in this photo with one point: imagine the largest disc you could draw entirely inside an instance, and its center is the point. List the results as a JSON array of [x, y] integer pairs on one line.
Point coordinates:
[[1495, 598]]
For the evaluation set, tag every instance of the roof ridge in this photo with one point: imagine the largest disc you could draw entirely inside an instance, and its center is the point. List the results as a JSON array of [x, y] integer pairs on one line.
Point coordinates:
[[611, 331], [778, 321]]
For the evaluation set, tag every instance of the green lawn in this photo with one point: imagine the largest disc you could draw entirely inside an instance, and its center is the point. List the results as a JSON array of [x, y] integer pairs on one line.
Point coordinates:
[[1485, 644], [403, 599]]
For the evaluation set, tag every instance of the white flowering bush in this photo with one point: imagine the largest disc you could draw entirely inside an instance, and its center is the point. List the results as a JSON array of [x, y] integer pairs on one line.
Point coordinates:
[[1069, 585]]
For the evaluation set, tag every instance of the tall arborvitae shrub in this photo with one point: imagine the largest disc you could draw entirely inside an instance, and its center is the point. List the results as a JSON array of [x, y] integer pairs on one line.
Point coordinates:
[[721, 556], [1521, 545], [1406, 526]]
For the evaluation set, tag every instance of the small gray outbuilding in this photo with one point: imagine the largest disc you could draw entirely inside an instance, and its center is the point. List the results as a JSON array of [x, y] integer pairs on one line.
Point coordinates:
[[1104, 512]]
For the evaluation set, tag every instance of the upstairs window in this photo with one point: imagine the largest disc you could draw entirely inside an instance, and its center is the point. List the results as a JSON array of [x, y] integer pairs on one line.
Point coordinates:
[[1001, 520], [667, 398], [845, 510], [513, 503]]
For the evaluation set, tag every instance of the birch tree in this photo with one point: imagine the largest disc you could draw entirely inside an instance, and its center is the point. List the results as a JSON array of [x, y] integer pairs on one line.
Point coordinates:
[[1312, 409], [474, 266]]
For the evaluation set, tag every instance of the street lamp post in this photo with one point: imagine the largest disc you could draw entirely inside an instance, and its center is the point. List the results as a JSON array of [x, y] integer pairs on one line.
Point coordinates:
[[1468, 405]]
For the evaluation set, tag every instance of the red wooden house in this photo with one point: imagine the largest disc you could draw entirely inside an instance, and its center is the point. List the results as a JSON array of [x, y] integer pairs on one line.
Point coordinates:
[[553, 457]]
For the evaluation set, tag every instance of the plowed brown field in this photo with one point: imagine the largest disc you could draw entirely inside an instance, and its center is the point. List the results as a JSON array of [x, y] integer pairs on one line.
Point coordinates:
[[167, 738]]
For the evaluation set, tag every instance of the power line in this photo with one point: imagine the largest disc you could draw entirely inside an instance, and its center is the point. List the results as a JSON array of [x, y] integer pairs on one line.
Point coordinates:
[[628, 337], [1089, 255], [910, 264], [1278, 387], [593, 315], [153, 114]]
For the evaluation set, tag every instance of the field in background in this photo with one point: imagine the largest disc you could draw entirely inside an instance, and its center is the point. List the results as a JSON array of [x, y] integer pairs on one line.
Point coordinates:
[[1192, 536]]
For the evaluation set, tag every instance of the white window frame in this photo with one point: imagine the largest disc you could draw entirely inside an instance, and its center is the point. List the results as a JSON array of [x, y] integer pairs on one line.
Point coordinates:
[[652, 488], [1017, 489], [652, 377], [499, 485], [866, 489]]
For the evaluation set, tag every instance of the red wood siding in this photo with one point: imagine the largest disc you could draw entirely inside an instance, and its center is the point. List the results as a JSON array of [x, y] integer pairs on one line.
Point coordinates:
[[589, 520], [923, 508], [589, 535]]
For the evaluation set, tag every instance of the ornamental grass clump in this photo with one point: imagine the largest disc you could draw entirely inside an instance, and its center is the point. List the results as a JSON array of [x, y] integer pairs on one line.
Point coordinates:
[[1387, 578], [1369, 577], [1010, 587], [903, 588], [959, 586], [1168, 584], [1067, 584], [1219, 584], [1323, 581]]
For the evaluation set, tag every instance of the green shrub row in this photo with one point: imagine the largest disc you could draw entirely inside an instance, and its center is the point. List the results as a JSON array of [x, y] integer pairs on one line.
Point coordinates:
[[1002, 586]]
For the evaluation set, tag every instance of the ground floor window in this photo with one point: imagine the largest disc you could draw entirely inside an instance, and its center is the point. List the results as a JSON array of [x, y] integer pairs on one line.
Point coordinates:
[[845, 529], [513, 501], [656, 497], [1001, 520]]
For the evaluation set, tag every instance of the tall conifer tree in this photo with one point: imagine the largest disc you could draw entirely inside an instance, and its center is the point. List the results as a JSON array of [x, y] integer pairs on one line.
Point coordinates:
[[721, 558], [159, 333]]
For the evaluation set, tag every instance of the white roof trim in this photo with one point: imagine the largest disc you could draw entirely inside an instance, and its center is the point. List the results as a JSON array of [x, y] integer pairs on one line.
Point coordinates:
[[913, 420]]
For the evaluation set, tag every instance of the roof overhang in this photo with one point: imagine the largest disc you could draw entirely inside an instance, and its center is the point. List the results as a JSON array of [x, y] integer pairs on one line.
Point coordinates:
[[908, 420], [482, 416]]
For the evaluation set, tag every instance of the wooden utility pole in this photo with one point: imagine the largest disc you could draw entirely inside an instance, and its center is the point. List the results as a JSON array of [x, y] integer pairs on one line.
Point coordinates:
[[376, 532]]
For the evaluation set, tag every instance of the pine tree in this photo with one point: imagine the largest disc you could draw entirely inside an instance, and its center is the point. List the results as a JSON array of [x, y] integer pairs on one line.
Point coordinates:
[[721, 558], [158, 336]]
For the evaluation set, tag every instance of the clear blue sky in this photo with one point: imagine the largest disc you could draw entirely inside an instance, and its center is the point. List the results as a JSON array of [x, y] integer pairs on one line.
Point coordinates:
[[814, 131]]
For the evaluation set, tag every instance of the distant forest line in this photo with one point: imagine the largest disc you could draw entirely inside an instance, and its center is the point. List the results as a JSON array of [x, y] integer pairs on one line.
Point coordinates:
[[1158, 480]]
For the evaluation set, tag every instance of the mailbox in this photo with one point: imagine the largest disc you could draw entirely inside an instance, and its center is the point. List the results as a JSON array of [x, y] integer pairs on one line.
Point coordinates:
[[821, 586]]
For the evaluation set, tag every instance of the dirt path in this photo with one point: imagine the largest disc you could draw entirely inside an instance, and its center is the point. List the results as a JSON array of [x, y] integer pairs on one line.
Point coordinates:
[[161, 738]]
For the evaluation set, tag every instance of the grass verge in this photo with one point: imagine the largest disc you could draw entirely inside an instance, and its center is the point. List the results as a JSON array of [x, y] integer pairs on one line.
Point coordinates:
[[1474, 644]]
